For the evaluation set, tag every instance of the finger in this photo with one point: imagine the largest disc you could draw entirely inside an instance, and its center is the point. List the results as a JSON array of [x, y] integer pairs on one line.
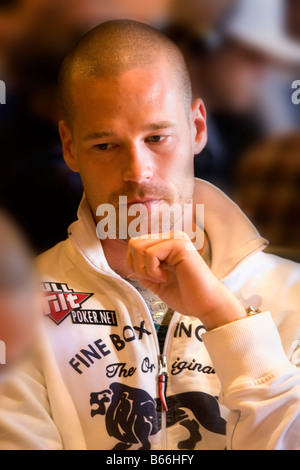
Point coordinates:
[[154, 265], [129, 260], [154, 286], [138, 262], [135, 259], [156, 238], [146, 255], [171, 252]]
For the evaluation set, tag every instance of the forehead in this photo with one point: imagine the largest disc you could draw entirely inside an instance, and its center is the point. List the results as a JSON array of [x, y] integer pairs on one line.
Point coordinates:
[[135, 95]]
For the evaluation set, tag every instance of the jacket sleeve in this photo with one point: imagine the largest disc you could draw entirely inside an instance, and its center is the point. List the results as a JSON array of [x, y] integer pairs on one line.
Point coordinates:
[[259, 385], [25, 417]]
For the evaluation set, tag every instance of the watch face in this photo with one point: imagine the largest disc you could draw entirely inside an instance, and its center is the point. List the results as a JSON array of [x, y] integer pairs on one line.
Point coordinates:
[[252, 311]]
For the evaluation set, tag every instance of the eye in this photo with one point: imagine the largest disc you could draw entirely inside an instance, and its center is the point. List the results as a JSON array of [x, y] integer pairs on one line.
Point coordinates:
[[156, 138], [101, 146], [104, 147]]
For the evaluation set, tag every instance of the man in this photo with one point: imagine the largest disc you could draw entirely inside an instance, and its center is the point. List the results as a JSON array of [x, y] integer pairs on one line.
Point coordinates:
[[125, 360]]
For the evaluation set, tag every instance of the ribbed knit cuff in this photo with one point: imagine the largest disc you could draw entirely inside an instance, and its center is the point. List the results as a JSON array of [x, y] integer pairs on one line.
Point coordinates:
[[245, 350]]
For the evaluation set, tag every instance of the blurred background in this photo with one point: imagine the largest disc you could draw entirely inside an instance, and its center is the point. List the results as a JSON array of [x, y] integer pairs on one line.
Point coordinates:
[[243, 56]]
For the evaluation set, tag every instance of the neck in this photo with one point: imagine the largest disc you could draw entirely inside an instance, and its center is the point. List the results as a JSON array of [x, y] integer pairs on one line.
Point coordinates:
[[115, 253]]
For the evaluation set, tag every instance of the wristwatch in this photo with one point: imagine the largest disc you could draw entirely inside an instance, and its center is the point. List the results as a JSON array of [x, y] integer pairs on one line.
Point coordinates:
[[252, 311]]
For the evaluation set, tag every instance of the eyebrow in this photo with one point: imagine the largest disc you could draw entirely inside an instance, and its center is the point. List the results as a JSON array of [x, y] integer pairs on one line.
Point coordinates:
[[150, 127], [160, 125], [97, 135]]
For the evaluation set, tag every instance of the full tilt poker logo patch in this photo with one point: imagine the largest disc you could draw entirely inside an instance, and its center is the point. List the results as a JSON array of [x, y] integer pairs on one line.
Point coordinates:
[[61, 301]]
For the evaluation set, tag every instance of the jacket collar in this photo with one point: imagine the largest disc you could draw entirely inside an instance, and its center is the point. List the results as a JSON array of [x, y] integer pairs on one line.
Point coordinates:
[[232, 236]]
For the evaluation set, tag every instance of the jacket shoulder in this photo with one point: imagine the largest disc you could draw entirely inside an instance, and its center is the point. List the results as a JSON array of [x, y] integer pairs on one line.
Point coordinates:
[[263, 262], [56, 259], [282, 264]]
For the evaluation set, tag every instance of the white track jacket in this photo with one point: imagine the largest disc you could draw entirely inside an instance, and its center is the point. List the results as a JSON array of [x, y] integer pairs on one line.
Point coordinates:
[[95, 384]]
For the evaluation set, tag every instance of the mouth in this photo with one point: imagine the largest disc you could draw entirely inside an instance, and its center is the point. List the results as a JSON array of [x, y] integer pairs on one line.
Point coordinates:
[[147, 202]]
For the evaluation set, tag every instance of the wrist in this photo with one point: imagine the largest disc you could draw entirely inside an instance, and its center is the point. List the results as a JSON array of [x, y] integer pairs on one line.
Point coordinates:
[[223, 312]]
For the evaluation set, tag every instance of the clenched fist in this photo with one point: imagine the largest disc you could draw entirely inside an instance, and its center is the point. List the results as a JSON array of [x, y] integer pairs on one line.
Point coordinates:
[[173, 269]]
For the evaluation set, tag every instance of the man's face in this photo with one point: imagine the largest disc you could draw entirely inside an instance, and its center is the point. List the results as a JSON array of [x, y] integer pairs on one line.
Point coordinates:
[[133, 136]]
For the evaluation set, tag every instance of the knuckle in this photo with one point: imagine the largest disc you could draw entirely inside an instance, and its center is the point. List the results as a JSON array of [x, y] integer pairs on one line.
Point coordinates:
[[180, 235]]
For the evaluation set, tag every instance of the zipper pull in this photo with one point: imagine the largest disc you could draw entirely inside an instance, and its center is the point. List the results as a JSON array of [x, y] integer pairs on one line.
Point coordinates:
[[163, 380]]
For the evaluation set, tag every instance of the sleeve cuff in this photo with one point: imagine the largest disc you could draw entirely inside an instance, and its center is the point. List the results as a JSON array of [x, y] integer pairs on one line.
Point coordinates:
[[245, 350]]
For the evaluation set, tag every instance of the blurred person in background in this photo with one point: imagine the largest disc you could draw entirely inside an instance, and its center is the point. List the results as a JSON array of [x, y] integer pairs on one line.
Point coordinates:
[[231, 61], [200, 16], [33, 177], [268, 190], [293, 18], [267, 177], [20, 299]]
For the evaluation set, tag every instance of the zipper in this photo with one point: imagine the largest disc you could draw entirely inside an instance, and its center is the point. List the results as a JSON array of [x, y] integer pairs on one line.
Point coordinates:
[[162, 362], [163, 380], [162, 358], [163, 376]]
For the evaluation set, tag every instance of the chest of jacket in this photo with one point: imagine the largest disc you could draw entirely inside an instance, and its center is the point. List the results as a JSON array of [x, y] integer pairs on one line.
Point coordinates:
[[106, 349]]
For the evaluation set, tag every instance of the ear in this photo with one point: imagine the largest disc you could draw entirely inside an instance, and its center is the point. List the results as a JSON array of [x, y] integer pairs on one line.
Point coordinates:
[[199, 125], [67, 145]]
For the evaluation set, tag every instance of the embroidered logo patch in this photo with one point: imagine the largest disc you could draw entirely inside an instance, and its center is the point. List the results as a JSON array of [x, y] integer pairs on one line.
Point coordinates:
[[61, 301], [94, 317]]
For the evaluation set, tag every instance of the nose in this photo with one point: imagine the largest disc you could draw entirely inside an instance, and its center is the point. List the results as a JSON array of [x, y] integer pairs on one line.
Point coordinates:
[[137, 165]]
